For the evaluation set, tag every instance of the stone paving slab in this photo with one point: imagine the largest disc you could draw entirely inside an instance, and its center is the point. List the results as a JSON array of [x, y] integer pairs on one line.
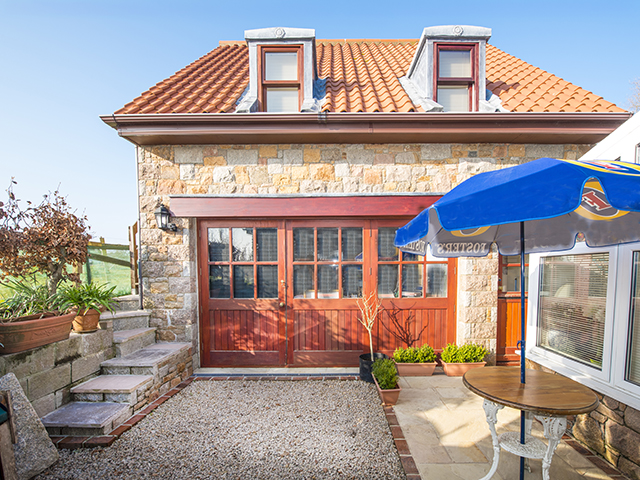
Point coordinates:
[[125, 335], [84, 415], [113, 384], [148, 356], [444, 426]]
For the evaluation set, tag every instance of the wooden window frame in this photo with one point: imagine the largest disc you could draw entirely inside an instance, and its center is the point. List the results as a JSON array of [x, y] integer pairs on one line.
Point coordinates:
[[471, 82], [264, 84]]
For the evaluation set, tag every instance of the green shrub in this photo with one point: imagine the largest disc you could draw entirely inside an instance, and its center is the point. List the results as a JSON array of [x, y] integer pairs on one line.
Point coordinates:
[[424, 354], [384, 369], [87, 296], [469, 353], [26, 300]]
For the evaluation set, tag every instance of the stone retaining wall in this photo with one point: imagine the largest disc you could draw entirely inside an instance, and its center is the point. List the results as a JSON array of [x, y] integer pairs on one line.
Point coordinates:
[[48, 373], [612, 431], [168, 259]]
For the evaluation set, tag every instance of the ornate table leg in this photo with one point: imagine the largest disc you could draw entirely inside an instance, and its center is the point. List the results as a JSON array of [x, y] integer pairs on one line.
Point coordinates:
[[491, 411], [554, 428]]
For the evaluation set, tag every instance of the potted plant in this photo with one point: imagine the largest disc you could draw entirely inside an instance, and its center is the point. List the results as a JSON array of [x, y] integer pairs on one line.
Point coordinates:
[[87, 301], [414, 361], [458, 360], [386, 378], [30, 318], [39, 240], [369, 310]]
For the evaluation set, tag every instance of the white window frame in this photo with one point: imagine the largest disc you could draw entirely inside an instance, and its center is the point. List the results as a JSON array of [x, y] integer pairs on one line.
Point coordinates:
[[610, 379]]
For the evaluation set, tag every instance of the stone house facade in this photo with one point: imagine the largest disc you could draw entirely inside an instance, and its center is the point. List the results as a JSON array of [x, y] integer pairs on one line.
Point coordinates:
[[288, 162]]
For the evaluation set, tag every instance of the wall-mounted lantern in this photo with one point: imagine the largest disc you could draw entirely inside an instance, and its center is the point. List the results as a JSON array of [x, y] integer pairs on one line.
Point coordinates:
[[163, 215]]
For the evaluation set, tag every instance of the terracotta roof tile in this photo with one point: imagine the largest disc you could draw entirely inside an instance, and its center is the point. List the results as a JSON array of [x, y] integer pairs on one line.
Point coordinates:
[[361, 76]]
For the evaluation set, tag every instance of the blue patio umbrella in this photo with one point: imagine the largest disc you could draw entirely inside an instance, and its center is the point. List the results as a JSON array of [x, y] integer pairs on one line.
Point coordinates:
[[539, 206]]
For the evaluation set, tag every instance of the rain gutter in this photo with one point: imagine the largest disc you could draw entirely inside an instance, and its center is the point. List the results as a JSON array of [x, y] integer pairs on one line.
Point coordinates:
[[414, 127]]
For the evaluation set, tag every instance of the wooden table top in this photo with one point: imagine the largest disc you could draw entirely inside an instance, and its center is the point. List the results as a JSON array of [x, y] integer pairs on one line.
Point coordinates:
[[543, 393]]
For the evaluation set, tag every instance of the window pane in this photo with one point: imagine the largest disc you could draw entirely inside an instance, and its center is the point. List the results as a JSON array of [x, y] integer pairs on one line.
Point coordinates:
[[303, 281], [633, 357], [281, 66], [572, 306], [242, 244], [352, 244], [218, 244], [282, 100], [328, 281], [411, 257], [351, 281], [388, 281], [436, 280], [267, 281], [303, 247], [412, 280], [454, 98], [327, 244], [242, 281], [387, 251], [267, 244], [454, 63], [219, 285]]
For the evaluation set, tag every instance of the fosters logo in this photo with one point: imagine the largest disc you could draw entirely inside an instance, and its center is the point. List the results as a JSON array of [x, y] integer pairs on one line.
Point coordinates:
[[594, 204]]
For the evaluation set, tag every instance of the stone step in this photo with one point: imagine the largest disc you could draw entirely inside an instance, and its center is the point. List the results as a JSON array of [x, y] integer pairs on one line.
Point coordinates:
[[113, 388], [129, 341], [127, 303], [127, 320], [156, 360], [87, 418]]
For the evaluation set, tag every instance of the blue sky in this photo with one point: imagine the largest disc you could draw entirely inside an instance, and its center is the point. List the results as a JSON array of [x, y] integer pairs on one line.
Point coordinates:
[[64, 63]]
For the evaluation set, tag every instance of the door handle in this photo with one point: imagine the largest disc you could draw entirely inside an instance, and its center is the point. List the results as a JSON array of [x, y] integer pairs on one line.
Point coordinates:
[[282, 304]]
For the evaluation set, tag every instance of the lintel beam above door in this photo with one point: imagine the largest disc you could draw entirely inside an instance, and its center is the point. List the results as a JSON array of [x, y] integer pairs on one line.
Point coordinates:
[[300, 206]]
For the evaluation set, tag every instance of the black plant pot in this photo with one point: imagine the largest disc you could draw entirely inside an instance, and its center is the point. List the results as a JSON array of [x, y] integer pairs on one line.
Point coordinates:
[[365, 365]]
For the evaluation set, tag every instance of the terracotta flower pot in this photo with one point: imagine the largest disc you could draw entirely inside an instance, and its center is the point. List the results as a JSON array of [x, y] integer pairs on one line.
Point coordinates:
[[459, 369], [88, 322], [24, 335], [389, 396], [415, 369]]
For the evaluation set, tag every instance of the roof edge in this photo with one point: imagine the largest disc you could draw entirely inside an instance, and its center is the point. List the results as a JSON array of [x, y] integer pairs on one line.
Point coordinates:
[[394, 127]]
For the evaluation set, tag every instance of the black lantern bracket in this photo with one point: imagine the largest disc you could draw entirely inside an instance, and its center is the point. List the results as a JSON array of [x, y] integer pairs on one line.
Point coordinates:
[[163, 215]]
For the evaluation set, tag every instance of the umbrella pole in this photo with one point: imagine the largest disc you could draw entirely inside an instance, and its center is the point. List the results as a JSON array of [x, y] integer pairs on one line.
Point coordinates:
[[522, 327]]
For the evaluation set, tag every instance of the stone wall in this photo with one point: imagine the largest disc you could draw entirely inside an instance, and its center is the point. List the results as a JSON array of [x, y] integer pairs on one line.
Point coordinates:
[[48, 373], [612, 431], [169, 259]]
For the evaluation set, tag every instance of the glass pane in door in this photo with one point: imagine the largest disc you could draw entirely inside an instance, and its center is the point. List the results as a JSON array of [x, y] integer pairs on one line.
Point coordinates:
[[327, 281], [351, 281], [219, 282], [218, 244], [243, 281], [327, 244], [267, 244], [303, 245], [267, 281], [303, 286], [242, 244]]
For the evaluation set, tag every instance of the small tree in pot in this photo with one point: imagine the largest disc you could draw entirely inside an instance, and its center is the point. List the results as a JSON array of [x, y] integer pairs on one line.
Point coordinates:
[[40, 239], [370, 307]]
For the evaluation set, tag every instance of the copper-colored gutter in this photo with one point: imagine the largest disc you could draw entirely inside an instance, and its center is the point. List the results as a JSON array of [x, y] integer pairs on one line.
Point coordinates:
[[258, 128]]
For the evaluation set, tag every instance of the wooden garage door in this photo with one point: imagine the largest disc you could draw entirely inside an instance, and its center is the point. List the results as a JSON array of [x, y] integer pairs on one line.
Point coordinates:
[[285, 292]]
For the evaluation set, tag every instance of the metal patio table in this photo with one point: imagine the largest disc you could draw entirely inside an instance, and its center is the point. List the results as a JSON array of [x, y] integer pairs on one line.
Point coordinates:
[[547, 397]]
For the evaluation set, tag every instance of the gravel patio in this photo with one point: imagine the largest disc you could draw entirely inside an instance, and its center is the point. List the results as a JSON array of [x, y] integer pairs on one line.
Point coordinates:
[[250, 429]]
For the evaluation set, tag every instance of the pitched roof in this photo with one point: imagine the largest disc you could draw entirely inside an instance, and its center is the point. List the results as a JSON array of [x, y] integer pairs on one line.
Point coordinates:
[[362, 76]]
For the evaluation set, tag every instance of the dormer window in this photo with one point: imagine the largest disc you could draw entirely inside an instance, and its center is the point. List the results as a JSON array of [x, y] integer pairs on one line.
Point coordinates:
[[280, 79], [448, 71], [455, 80], [282, 72]]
